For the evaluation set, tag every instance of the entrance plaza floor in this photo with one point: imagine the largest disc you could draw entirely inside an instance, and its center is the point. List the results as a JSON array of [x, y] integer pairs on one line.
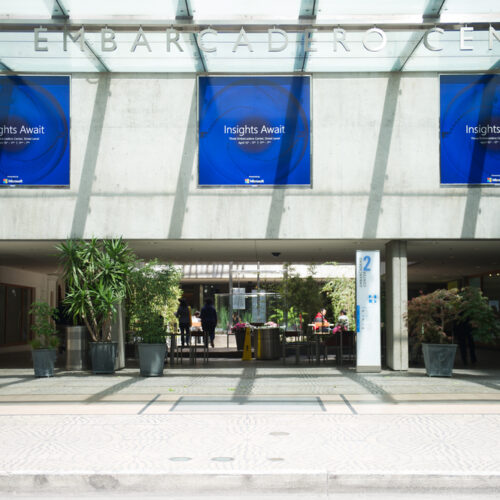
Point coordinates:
[[232, 428]]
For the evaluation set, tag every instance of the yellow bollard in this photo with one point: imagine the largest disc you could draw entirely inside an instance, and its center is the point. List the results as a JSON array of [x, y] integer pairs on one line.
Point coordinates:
[[247, 347]]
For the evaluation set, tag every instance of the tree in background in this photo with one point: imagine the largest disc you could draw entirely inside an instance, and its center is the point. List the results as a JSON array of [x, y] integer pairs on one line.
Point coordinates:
[[475, 308], [341, 293], [153, 299], [432, 317], [300, 297]]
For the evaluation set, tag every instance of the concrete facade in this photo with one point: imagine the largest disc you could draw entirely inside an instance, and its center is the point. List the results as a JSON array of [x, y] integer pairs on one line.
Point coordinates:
[[375, 171], [375, 168]]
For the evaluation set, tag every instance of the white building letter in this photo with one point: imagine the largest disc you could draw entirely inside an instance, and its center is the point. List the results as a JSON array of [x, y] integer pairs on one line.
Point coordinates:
[[108, 43], [173, 39], [245, 42], [339, 36], [429, 45], [80, 35], [201, 43], [493, 33], [463, 38], [39, 40], [382, 43], [137, 41], [284, 43]]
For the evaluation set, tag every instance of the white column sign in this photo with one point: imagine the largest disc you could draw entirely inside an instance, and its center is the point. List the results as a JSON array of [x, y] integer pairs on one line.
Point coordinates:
[[258, 307], [368, 311], [238, 298]]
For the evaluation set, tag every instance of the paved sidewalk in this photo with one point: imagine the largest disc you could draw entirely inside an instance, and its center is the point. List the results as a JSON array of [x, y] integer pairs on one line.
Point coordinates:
[[253, 428]]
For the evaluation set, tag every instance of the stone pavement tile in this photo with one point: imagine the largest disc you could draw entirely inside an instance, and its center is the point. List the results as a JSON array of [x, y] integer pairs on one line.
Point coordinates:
[[362, 397], [247, 379], [43, 397], [426, 409], [71, 409], [495, 396], [254, 443]]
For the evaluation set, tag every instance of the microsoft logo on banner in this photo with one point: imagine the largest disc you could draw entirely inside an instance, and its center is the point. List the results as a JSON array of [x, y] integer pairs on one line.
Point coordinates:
[[5, 181]]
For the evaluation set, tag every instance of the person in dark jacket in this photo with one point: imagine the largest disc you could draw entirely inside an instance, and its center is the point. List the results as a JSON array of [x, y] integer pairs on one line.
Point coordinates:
[[183, 314], [209, 320], [465, 341]]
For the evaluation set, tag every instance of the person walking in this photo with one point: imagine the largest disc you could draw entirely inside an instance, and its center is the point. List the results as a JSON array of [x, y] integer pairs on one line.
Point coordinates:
[[208, 317], [183, 314]]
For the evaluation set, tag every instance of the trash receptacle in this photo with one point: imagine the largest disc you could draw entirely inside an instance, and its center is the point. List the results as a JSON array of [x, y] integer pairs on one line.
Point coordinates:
[[76, 347], [270, 345]]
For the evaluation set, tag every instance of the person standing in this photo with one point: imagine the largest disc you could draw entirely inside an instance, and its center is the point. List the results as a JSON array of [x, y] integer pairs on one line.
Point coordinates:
[[209, 320], [465, 341], [183, 314]]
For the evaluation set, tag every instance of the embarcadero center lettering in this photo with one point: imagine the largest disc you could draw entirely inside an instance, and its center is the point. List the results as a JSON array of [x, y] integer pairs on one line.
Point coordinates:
[[373, 39]]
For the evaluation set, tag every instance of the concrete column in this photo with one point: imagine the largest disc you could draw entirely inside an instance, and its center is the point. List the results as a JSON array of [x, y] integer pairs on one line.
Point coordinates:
[[118, 335], [396, 291], [52, 290]]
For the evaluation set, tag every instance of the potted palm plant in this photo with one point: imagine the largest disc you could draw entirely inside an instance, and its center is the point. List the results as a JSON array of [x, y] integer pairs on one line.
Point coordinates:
[[430, 325], [96, 274], [45, 341], [154, 291]]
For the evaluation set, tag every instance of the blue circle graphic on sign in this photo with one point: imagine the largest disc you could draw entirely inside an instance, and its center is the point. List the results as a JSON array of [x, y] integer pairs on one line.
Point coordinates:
[[34, 131], [254, 130]]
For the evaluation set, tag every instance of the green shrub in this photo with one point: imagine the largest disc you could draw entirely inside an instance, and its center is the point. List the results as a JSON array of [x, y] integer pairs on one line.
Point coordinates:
[[43, 327]]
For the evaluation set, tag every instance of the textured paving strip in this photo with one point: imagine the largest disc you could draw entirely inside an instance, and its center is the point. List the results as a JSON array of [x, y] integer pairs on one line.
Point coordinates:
[[258, 428], [250, 443]]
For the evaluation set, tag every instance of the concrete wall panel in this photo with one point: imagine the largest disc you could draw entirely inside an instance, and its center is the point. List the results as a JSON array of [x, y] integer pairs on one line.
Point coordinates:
[[134, 169]]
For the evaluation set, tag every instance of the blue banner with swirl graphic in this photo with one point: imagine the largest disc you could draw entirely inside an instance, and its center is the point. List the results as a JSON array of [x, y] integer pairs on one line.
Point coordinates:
[[254, 131], [34, 131], [470, 129]]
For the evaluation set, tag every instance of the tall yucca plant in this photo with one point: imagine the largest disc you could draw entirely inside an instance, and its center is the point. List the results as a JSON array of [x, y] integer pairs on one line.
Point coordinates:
[[96, 274]]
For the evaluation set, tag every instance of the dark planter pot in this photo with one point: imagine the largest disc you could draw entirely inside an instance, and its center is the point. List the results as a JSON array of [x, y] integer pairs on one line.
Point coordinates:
[[152, 359], [439, 359], [43, 362], [102, 357], [240, 339]]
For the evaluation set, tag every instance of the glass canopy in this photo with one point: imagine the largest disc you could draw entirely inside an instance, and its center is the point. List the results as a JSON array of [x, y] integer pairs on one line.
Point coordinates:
[[235, 36]]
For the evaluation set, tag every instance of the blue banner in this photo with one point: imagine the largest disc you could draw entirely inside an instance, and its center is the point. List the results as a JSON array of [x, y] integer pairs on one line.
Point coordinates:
[[254, 130], [470, 129], [34, 131]]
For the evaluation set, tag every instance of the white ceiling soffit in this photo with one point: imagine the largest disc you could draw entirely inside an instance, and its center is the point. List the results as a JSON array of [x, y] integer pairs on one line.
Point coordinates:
[[386, 35], [429, 261]]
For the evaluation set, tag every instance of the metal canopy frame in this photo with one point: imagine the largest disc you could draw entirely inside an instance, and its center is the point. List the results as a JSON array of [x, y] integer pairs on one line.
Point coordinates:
[[408, 30]]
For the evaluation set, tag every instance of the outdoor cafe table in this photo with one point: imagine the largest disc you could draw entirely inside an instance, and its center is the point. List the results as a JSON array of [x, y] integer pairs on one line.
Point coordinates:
[[319, 337]]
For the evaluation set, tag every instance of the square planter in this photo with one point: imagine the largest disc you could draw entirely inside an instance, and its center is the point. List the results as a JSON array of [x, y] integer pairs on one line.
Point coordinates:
[[152, 359], [102, 356], [43, 362], [439, 359]]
